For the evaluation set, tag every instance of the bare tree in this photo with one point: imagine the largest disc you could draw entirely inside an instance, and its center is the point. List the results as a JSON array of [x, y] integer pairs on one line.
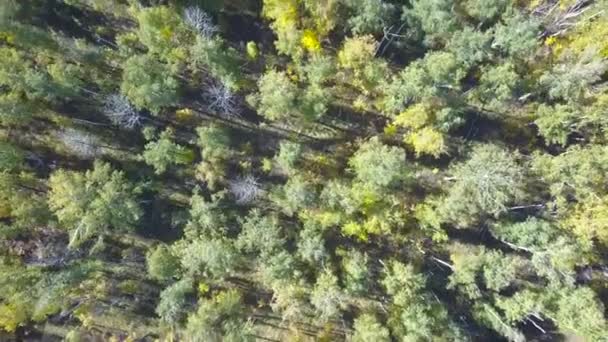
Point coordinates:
[[221, 99], [245, 189], [200, 21], [120, 111], [80, 143], [558, 20]]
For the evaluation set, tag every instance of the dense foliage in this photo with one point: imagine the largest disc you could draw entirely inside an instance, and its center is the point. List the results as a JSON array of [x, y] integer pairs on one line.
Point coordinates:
[[303, 170]]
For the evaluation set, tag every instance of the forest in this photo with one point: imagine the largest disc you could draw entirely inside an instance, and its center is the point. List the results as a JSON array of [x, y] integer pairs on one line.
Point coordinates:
[[304, 170]]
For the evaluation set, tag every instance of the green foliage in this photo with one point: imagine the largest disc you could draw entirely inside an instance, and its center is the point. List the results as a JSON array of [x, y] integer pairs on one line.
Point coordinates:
[[159, 29], [162, 264], [379, 165], [369, 16], [210, 257], [278, 95], [303, 218], [98, 201], [484, 184], [326, 296], [369, 329], [289, 154], [163, 153], [148, 83], [260, 234], [173, 304], [517, 35], [221, 318], [486, 10], [356, 272], [434, 18]]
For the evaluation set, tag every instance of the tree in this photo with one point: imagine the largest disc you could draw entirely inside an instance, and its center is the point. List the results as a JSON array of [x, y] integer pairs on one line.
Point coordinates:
[[369, 16], [296, 194], [206, 217], [356, 272], [261, 234], [486, 10], [289, 155], [326, 296], [214, 258], [570, 79], [435, 19], [221, 318], [121, 112], [284, 16], [245, 189], [579, 173], [11, 157], [173, 305], [149, 84], [556, 123], [498, 86], [379, 165], [222, 99], [159, 29], [200, 21], [413, 315], [369, 329], [99, 201], [162, 264], [517, 35], [163, 153], [277, 97], [484, 184], [471, 46]]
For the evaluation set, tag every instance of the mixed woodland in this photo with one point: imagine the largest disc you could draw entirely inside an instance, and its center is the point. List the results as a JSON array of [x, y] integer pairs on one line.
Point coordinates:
[[304, 170]]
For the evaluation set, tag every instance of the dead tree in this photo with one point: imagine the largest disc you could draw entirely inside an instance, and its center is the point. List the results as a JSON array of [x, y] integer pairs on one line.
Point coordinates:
[[200, 21], [245, 189], [221, 99], [120, 111]]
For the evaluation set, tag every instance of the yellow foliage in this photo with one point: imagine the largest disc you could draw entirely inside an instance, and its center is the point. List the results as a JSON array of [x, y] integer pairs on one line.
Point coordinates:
[[8, 37], [310, 41], [252, 50], [11, 316], [354, 229], [415, 116], [203, 288], [357, 52], [184, 114], [426, 141], [266, 165], [590, 219], [390, 130]]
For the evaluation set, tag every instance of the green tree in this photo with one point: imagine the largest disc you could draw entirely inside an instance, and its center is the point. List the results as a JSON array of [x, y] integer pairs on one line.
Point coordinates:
[[277, 97], [355, 267], [327, 297], [379, 165], [149, 84], [289, 155], [369, 329], [174, 302], [163, 153], [210, 257], [162, 264], [484, 184], [517, 35], [486, 10], [221, 318], [98, 201], [435, 19], [159, 29]]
